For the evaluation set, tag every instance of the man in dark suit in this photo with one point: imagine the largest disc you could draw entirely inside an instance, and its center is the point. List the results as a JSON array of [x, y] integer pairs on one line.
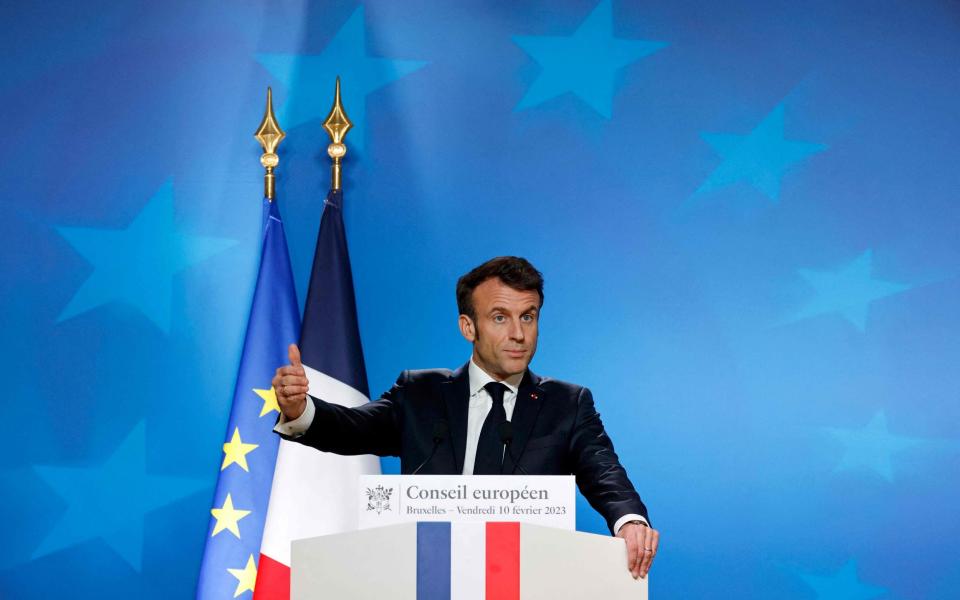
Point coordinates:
[[444, 422]]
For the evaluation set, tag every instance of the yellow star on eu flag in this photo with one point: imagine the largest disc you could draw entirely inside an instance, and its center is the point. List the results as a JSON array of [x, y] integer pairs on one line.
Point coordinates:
[[228, 518], [269, 400], [235, 451], [246, 577]]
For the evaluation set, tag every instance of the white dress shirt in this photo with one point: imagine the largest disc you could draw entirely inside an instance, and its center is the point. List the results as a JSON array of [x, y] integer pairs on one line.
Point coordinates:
[[480, 405]]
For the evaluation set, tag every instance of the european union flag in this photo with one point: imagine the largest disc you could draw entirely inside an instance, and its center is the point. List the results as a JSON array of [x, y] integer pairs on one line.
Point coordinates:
[[230, 558]]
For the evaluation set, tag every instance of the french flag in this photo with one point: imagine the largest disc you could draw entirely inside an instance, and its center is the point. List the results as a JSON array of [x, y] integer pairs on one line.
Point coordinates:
[[312, 491]]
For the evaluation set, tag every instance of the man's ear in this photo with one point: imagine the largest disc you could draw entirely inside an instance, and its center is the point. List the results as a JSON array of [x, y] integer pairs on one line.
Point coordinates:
[[467, 329]]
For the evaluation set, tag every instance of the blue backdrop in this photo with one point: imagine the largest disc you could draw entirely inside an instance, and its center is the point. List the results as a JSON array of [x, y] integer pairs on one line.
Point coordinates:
[[746, 213]]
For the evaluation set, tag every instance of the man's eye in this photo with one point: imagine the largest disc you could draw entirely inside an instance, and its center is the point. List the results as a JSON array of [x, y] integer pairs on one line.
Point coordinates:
[[527, 318], [499, 318]]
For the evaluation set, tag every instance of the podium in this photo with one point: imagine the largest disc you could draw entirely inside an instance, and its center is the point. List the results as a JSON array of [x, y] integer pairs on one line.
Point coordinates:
[[475, 561], [494, 558]]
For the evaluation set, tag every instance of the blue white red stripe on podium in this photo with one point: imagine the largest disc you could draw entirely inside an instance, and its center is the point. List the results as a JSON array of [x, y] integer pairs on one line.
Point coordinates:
[[487, 556]]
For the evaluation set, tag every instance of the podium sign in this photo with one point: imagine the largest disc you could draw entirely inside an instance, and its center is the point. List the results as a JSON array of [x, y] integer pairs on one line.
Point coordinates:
[[547, 500]]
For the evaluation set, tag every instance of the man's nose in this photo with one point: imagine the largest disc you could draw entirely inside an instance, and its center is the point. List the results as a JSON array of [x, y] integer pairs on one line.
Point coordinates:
[[516, 330]]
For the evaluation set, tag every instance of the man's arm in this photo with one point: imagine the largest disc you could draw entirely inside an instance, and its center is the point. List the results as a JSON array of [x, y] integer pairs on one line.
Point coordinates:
[[600, 476], [604, 483], [371, 428]]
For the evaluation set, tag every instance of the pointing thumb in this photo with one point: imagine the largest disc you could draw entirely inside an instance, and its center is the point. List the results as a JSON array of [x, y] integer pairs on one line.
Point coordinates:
[[294, 353]]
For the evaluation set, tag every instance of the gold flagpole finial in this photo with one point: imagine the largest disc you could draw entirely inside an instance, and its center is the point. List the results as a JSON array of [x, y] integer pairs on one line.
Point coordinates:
[[337, 125], [269, 135]]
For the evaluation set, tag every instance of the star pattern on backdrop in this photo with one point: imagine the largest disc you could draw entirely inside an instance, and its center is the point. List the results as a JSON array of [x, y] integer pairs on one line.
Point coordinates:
[[309, 78], [585, 64], [110, 501], [760, 158], [841, 585], [228, 518], [235, 452], [847, 291], [246, 577], [269, 398], [871, 446], [137, 265]]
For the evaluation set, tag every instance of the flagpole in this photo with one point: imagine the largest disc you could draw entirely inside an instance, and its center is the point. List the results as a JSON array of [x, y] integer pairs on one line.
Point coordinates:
[[337, 125], [269, 135]]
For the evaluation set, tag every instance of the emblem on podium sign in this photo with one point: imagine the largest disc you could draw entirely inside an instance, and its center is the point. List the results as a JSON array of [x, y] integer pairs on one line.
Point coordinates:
[[378, 498]]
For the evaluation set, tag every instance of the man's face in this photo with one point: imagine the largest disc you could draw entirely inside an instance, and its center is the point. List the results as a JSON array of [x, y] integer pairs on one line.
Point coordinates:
[[504, 334]]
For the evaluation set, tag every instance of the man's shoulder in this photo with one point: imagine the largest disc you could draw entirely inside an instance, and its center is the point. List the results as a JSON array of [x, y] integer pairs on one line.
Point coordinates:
[[414, 383], [440, 376], [429, 375], [552, 384]]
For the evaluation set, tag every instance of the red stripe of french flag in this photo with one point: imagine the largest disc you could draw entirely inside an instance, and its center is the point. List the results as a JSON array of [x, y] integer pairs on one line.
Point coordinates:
[[503, 561], [273, 579]]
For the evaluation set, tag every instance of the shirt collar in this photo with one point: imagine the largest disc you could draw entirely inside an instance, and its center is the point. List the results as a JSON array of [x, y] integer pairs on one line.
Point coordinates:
[[480, 378]]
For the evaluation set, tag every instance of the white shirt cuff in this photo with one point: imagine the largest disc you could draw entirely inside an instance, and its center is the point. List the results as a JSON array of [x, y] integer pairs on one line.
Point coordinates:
[[624, 520], [298, 426]]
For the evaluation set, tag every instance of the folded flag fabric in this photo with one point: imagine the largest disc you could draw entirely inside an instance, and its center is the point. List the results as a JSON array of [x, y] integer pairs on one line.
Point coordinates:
[[313, 491]]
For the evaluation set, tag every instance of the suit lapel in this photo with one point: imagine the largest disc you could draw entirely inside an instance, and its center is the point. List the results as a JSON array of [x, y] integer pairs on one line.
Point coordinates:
[[530, 399], [456, 395]]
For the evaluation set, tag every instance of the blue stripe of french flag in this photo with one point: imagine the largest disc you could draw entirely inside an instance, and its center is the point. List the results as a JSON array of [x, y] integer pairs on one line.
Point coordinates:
[[433, 561]]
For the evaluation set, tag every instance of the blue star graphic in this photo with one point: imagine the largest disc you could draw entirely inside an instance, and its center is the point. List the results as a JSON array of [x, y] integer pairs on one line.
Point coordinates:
[[761, 158], [585, 63], [848, 290], [136, 265], [309, 78], [111, 500], [842, 585], [872, 446]]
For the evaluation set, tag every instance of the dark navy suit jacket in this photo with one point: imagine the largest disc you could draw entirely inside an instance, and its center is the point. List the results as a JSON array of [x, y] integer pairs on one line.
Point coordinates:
[[556, 430]]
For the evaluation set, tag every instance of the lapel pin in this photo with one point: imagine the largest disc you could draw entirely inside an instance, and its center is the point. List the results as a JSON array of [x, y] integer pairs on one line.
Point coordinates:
[[534, 396]]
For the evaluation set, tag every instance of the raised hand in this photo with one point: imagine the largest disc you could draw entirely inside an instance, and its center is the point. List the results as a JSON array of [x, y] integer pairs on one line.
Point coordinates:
[[291, 385]]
